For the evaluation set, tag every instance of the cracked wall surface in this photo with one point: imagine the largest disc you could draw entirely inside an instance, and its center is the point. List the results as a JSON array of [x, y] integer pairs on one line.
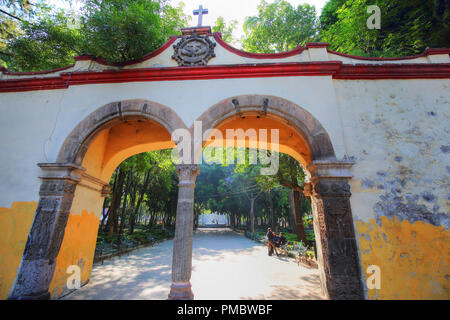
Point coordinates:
[[397, 133]]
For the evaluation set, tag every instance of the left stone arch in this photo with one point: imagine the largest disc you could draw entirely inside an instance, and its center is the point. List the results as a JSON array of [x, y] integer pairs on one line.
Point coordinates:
[[76, 144], [60, 181]]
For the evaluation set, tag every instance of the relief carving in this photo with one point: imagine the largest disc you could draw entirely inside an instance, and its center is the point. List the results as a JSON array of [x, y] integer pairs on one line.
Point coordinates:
[[194, 51]]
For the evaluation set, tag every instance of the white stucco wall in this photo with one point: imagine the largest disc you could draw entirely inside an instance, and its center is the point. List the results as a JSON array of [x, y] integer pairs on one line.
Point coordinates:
[[35, 124], [397, 132]]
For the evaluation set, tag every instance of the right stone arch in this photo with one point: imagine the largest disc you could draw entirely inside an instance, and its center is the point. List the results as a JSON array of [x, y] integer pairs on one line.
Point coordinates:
[[328, 186]]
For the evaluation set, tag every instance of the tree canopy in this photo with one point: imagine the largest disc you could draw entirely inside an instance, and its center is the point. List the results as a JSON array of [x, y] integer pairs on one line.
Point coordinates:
[[116, 30], [407, 27], [36, 36], [279, 27]]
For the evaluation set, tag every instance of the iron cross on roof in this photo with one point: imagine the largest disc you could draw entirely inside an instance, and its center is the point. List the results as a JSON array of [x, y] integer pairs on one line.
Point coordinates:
[[200, 12]]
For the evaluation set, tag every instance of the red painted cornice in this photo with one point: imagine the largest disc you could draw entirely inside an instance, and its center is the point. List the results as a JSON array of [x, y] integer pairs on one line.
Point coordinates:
[[393, 71], [172, 74], [335, 69]]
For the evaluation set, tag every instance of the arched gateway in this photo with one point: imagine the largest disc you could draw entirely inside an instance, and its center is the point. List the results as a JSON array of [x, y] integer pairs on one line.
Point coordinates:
[[341, 117]]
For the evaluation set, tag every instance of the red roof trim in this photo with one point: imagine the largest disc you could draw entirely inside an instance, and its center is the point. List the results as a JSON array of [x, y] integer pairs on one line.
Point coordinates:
[[173, 74], [218, 38], [336, 69], [394, 71], [317, 45]]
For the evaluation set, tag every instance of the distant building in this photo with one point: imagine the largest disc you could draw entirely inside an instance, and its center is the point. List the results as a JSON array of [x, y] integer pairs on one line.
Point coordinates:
[[213, 219]]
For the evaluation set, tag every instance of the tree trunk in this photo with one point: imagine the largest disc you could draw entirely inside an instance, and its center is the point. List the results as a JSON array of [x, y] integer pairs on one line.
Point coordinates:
[[104, 215], [252, 215], [272, 218], [301, 235], [139, 202], [132, 219], [115, 203], [292, 224], [124, 205]]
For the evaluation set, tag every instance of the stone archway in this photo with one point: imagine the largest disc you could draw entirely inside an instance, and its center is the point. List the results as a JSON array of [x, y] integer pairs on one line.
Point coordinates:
[[328, 188], [60, 181]]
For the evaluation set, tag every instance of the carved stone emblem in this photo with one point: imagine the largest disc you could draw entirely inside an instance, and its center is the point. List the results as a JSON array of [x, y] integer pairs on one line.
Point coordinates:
[[194, 51]]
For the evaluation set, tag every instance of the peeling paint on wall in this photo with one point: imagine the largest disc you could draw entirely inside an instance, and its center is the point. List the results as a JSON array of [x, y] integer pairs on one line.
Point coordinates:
[[77, 248], [413, 257], [15, 225], [397, 132]]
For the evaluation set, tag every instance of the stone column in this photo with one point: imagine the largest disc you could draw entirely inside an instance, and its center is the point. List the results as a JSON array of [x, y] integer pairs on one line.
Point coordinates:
[[47, 231], [337, 250], [182, 245]]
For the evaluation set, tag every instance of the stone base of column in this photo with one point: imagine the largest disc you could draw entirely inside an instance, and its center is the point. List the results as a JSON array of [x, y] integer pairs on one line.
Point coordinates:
[[181, 291]]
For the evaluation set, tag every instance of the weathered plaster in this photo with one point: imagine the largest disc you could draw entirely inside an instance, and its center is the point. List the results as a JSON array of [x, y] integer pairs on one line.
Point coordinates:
[[413, 258], [15, 225], [395, 131], [77, 249]]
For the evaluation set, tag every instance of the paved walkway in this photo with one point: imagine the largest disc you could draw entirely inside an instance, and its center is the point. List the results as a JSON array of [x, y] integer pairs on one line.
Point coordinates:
[[225, 266]]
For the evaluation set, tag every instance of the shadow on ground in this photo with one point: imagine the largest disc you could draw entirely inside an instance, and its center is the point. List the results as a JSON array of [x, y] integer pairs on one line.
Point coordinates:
[[225, 266]]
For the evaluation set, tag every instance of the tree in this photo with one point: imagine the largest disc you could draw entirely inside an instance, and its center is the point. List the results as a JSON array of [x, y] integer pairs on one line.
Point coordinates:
[[12, 14], [45, 44], [226, 31], [279, 27], [246, 175], [407, 27], [292, 176], [116, 30]]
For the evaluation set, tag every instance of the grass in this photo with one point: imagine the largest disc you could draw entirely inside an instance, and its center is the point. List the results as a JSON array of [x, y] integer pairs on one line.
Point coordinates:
[[141, 235]]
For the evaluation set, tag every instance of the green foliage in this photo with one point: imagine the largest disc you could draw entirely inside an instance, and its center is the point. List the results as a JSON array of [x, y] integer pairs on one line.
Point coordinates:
[[120, 31], [12, 14], [116, 30], [279, 27], [49, 43], [407, 27], [226, 31]]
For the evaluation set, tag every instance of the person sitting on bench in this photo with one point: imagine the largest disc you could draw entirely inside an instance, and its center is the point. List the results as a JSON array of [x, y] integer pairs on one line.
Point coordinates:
[[282, 239], [270, 244]]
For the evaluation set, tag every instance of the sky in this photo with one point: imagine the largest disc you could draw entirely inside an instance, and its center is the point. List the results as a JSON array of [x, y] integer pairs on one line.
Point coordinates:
[[234, 9], [228, 9]]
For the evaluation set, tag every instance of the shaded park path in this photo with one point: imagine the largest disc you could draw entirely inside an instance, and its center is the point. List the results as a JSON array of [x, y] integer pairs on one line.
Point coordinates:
[[226, 266]]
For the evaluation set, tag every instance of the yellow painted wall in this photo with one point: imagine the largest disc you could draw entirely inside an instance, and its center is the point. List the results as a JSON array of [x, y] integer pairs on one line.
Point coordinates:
[[15, 224], [413, 258], [77, 249]]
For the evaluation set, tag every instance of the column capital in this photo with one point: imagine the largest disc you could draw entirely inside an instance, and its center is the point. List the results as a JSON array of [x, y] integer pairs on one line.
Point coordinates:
[[187, 173], [330, 178], [59, 178], [330, 169]]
